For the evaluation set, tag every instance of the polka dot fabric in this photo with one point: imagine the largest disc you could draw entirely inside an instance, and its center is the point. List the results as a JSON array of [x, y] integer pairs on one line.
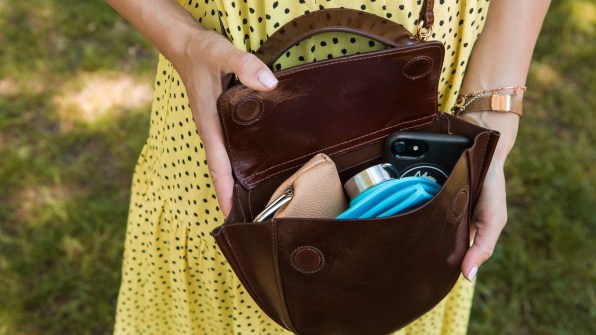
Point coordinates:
[[174, 278]]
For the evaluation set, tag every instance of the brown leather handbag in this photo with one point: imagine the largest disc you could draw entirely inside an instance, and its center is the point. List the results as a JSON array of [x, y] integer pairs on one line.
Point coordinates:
[[363, 276]]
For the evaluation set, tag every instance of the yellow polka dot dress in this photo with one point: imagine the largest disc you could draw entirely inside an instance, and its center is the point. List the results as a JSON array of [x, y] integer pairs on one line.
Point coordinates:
[[174, 278]]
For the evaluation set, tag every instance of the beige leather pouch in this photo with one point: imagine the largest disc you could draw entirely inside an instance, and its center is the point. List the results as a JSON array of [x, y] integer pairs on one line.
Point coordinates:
[[316, 191]]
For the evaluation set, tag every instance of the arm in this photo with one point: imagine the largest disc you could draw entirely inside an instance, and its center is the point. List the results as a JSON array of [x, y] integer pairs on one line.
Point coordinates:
[[501, 57], [163, 22], [201, 57]]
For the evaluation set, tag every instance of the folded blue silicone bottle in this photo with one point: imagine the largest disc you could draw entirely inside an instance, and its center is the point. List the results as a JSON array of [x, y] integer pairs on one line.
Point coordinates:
[[375, 192]]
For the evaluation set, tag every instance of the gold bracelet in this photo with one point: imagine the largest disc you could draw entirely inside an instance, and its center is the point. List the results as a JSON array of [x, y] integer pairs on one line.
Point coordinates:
[[504, 100]]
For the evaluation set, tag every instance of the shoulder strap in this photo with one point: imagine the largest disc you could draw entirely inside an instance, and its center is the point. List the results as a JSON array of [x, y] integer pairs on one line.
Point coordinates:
[[427, 14], [343, 20]]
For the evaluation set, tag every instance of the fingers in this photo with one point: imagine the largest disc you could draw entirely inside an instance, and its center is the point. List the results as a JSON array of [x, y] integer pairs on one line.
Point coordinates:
[[252, 72], [217, 156], [204, 87], [481, 250], [220, 170], [203, 105], [490, 217]]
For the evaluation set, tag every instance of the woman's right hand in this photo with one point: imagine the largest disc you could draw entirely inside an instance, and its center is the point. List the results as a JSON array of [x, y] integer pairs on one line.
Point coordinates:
[[202, 58], [208, 57]]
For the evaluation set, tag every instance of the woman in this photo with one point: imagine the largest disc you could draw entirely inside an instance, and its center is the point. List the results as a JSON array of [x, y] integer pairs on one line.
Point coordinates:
[[175, 280]]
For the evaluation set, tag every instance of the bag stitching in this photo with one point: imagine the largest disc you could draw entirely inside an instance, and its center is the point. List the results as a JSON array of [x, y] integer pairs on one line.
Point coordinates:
[[254, 182], [403, 70], [464, 189], [342, 143], [278, 277], [242, 99], [240, 203], [478, 186], [319, 268], [318, 66], [250, 285], [250, 204], [381, 54]]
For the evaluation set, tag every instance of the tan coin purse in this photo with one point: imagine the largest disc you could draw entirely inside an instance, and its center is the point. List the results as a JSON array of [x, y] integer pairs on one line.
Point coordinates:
[[314, 191]]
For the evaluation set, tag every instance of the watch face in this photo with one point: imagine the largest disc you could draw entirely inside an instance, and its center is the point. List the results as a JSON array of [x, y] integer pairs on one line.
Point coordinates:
[[430, 171]]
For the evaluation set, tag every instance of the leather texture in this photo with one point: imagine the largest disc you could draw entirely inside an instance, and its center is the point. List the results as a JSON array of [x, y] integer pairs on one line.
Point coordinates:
[[357, 276], [427, 15], [317, 191], [311, 107]]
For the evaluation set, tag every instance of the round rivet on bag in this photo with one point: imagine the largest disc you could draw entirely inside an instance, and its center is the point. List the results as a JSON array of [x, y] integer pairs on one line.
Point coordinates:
[[418, 67], [307, 259], [460, 203], [248, 110]]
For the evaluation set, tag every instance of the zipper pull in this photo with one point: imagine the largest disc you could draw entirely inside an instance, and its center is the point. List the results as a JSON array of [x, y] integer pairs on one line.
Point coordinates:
[[270, 210]]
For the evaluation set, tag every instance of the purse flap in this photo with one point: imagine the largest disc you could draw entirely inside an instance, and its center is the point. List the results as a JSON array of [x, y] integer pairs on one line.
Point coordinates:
[[330, 106]]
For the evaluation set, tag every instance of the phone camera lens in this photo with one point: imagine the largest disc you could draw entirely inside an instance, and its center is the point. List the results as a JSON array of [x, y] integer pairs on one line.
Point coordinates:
[[400, 147]]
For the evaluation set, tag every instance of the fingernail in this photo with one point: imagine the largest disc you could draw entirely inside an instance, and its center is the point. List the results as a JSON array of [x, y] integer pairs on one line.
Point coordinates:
[[268, 79], [472, 273]]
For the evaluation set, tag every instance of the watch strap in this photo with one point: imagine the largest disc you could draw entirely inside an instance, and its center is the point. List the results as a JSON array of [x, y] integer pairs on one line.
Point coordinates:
[[505, 103]]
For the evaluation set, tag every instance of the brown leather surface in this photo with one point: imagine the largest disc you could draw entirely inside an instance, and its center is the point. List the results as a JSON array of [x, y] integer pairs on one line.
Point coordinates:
[[365, 276], [331, 106], [427, 14], [392, 268], [397, 267]]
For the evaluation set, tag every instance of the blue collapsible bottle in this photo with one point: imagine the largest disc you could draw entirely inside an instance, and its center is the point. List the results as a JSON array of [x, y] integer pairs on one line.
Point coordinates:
[[376, 192]]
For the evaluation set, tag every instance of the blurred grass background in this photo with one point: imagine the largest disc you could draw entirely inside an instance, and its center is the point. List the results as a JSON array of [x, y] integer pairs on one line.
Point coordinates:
[[75, 92]]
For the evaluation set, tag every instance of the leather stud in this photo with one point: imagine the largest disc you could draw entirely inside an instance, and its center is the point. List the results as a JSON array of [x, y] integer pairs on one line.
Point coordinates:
[[307, 259], [460, 203], [418, 67], [248, 110]]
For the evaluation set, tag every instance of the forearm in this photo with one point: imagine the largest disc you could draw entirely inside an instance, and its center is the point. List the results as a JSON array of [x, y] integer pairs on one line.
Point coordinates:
[[163, 22], [501, 58]]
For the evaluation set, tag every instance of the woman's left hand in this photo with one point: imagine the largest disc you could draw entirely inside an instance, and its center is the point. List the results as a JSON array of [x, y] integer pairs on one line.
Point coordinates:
[[500, 58], [490, 215], [488, 220]]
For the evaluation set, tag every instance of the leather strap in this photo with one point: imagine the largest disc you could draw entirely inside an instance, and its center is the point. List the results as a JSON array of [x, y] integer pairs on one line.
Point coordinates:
[[340, 20], [427, 13]]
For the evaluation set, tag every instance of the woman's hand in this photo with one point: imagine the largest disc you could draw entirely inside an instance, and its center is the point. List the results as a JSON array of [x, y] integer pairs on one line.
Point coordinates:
[[500, 58], [488, 220], [201, 57], [208, 57], [490, 215]]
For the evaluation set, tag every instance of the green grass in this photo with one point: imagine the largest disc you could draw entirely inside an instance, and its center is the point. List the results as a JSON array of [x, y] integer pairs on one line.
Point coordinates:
[[542, 278], [65, 175], [64, 180]]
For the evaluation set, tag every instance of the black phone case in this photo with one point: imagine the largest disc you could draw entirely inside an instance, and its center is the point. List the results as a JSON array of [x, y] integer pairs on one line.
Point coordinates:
[[442, 152]]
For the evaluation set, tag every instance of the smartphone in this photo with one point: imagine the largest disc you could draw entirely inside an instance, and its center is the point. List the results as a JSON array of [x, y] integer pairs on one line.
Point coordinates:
[[421, 154]]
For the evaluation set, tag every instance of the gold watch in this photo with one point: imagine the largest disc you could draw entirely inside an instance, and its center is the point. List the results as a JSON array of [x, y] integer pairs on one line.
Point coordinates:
[[504, 100]]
